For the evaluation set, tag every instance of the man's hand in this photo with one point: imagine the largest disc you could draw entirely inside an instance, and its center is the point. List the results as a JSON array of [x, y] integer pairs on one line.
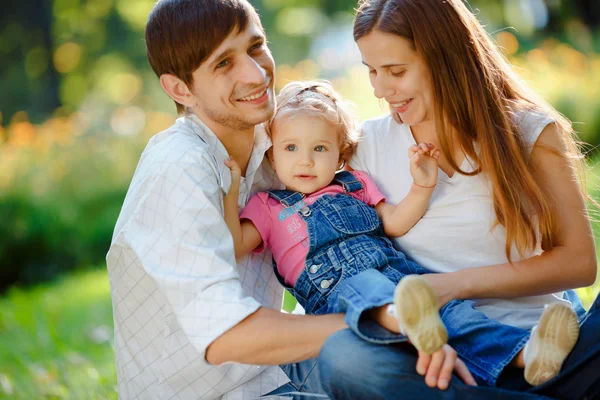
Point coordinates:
[[438, 367], [424, 164]]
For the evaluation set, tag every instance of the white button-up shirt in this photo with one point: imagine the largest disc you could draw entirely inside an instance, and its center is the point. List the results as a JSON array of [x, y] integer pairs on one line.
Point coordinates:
[[174, 280]]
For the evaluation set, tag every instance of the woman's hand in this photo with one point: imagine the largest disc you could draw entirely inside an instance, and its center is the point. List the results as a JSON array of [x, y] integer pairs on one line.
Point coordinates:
[[424, 164], [438, 367]]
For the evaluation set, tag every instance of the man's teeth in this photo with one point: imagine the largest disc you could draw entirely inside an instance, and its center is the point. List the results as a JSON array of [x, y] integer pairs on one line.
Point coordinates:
[[253, 97], [398, 105]]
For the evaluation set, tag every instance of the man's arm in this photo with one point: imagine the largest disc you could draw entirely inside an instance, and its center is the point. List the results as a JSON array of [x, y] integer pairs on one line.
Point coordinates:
[[272, 337], [185, 246]]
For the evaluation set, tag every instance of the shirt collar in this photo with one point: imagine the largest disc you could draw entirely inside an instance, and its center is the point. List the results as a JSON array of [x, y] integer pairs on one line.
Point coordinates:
[[262, 142]]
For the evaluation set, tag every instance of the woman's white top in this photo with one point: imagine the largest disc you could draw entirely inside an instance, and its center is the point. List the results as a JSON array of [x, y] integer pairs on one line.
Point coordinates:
[[456, 231]]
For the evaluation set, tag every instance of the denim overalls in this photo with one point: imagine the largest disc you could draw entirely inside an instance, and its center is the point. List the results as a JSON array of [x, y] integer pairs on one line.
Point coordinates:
[[352, 267], [345, 238]]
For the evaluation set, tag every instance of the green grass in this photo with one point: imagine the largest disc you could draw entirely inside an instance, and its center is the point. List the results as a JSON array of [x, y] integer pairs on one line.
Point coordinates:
[[55, 340]]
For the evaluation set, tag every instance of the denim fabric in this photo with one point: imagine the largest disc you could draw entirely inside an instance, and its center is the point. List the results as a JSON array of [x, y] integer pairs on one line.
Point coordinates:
[[351, 368], [352, 267], [305, 382]]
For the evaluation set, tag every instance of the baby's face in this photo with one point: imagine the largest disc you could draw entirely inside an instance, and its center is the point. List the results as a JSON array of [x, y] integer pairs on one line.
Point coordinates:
[[306, 152]]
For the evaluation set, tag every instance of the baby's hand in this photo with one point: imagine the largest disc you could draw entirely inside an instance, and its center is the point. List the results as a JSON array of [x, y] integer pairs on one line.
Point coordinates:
[[424, 164], [236, 174]]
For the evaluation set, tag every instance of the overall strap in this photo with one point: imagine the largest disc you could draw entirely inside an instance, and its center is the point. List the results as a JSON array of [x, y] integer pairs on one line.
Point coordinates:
[[286, 197], [348, 181]]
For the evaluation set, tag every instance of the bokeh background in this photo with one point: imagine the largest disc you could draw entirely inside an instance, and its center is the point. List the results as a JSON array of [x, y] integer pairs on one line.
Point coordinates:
[[79, 102]]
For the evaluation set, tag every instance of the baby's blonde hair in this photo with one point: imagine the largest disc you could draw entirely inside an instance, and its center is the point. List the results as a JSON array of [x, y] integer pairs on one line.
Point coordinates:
[[318, 98]]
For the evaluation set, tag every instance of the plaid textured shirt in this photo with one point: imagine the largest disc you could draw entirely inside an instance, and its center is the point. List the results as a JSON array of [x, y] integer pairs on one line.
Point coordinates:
[[174, 280]]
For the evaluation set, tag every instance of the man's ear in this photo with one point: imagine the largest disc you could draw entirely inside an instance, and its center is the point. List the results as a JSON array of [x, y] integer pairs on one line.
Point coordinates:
[[177, 90]]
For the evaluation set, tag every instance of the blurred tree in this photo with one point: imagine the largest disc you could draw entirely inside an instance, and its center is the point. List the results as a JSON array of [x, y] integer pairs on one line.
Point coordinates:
[[26, 71]]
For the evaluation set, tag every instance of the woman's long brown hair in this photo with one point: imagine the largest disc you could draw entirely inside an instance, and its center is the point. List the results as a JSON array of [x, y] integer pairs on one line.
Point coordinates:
[[478, 99]]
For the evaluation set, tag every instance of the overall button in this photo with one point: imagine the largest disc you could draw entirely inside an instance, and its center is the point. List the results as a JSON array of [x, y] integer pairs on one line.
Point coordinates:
[[305, 211], [313, 269], [326, 283]]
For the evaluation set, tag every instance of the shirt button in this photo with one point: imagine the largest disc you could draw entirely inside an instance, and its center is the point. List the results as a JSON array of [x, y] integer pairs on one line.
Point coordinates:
[[314, 268], [325, 284]]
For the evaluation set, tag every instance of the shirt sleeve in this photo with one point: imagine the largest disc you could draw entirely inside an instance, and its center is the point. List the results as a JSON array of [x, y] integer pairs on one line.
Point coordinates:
[[531, 123], [372, 195], [257, 211], [179, 235]]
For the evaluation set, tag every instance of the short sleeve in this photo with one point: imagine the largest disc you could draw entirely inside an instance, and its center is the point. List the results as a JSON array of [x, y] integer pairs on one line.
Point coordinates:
[[257, 211], [372, 194], [531, 123]]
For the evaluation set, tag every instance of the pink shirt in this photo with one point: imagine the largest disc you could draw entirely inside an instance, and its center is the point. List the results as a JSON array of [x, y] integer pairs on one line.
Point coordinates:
[[285, 234]]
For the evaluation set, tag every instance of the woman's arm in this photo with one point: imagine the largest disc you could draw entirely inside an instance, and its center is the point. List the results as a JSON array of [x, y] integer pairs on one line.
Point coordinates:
[[245, 235], [570, 264]]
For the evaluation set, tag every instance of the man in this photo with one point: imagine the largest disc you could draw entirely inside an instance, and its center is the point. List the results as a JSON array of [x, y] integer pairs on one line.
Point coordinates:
[[189, 321]]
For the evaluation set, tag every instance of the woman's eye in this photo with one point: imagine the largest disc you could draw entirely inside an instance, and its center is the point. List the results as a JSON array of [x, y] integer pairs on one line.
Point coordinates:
[[320, 148], [399, 73], [290, 147], [372, 72]]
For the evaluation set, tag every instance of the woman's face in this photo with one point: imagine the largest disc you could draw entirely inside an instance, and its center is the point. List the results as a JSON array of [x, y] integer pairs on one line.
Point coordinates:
[[398, 75]]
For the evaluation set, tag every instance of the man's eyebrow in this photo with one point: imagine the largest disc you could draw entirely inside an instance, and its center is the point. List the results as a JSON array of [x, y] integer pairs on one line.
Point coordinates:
[[389, 65], [225, 53]]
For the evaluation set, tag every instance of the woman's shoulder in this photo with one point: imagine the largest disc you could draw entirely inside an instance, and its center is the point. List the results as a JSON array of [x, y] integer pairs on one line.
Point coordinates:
[[381, 131], [379, 125], [530, 123]]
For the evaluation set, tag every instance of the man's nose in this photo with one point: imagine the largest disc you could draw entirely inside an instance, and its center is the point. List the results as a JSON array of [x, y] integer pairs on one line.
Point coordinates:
[[252, 72]]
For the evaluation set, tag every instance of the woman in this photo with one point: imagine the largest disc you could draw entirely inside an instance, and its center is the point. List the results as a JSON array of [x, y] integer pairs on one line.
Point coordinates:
[[507, 224]]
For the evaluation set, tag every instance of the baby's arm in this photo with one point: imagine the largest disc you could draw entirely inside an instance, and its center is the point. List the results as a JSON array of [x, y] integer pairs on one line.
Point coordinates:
[[399, 219], [245, 235]]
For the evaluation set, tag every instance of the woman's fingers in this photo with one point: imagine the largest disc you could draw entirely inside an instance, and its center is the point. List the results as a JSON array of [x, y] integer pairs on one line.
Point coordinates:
[[423, 363], [463, 373], [433, 372], [448, 366]]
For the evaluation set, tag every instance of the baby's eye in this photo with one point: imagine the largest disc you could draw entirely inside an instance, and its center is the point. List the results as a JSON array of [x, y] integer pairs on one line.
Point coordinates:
[[291, 147], [320, 148]]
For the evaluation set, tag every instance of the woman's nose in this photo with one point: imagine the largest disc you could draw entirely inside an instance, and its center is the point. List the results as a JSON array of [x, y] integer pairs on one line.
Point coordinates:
[[382, 87]]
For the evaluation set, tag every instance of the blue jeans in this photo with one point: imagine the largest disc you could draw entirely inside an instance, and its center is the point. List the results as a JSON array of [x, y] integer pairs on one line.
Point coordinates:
[[485, 345], [372, 371]]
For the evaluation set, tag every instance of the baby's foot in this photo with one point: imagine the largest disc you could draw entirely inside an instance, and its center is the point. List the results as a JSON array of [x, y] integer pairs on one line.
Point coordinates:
[[417, 313], [550, 343]]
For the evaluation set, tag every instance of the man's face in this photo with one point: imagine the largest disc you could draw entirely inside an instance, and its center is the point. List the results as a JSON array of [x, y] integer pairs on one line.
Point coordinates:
[[234, 86]]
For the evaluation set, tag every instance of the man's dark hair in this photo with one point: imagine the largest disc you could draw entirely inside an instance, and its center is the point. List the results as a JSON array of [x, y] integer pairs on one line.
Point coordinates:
[[182, 34]]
